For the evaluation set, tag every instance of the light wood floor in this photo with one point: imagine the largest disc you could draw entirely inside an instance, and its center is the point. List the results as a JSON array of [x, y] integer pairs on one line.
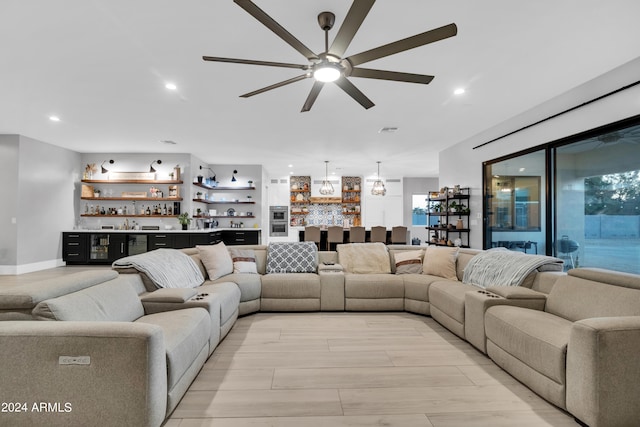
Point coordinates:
[[355, 369]]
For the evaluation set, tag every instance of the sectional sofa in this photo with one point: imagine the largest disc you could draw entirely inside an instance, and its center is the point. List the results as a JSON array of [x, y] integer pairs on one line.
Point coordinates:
[[118, 349]]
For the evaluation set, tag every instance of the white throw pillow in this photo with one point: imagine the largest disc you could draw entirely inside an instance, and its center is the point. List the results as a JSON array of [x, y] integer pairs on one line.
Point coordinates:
[[216, 260], [440, 261], [408, 262], [244, 261]]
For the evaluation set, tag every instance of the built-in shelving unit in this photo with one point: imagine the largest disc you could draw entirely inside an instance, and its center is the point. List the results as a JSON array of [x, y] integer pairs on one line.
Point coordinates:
[[444, 207]]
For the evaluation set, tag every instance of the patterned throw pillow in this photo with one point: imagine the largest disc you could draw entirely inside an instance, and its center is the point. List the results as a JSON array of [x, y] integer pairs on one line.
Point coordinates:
[[244, 261], [292, 257], [409, 262]]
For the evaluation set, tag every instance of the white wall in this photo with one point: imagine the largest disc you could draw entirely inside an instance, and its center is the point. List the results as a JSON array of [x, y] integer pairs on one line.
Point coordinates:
[[39, 185], [416, 186], [462, 164], [9, 154]]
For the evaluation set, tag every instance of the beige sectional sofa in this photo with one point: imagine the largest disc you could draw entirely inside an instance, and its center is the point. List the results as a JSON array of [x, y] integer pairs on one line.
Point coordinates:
[[572, 338]]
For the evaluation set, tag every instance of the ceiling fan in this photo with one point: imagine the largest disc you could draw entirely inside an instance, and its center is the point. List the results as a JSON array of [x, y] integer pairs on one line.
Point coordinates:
[[330, 66]]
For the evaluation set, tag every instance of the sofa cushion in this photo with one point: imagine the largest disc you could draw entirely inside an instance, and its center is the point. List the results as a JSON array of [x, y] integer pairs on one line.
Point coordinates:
[[26, 296], [291, 286], [228, 294], [244, 261], [216, 260], [575, 298], [408, 262], [364, 258], [441, 262], [416, 286], [250, 285], [536, 338], [186, 332], [114, 300], [373, 286], [292, 257], [448, 297]]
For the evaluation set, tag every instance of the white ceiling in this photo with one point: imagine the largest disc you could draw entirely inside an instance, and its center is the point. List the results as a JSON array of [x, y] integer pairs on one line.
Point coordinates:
[[101, 66]]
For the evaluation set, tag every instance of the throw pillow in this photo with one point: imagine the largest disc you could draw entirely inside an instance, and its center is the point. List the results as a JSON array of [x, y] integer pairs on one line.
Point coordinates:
[[408, 262], [292, 257], [439, 261], [244, 261], [216, 260]]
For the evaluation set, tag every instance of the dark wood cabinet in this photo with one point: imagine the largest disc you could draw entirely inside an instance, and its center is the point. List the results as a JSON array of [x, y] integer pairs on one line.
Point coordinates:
[[74, 247], [97, 247], [241, 237]]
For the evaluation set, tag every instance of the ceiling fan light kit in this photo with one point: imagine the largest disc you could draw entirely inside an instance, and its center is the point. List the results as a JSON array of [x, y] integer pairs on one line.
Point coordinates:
[[330, 65]]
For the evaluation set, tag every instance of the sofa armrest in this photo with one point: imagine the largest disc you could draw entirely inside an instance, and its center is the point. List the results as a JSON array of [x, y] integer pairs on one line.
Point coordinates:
[[169, 295], [331, 290], [477, 302], [603, 370], [516, 292], [329, 267], [114, 372]]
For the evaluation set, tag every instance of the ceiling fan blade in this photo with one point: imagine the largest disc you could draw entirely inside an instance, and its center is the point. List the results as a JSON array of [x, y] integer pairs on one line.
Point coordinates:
[[275, 86], [404, 44], [354, 92], [252, 62], [353, 20], [315, 91], [368, 73], [271, 24]]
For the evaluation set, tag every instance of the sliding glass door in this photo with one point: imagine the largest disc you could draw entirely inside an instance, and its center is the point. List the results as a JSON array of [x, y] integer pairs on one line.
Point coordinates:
[[592, 217]]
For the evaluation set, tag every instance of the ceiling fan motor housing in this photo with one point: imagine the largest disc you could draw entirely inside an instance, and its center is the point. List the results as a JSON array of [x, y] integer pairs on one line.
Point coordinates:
[[326, 20]]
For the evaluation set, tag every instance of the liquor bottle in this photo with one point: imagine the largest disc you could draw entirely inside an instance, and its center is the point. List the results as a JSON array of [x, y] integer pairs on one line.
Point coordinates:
[[148, 211], [169, 212], [164, 209]]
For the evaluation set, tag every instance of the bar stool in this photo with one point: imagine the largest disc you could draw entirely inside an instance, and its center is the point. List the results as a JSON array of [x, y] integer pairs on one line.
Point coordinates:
[[312, 234], [335, 234], [356, 235], [378, 234], [399, 235]]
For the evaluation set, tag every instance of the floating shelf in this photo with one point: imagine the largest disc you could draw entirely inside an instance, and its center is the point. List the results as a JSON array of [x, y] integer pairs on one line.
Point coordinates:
[[208, 187], [128, 216], [226, 202], [133, 199], [135, 181]]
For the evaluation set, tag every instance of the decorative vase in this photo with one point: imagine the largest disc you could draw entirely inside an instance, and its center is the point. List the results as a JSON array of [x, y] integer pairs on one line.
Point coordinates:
[[460, 224], [184, 226]]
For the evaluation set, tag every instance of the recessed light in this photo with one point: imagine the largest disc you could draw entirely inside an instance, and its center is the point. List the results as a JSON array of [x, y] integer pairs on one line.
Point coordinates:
[[291, 173], [521, 170], [54, 118], [171, 86], [290, 166], [459, 91]]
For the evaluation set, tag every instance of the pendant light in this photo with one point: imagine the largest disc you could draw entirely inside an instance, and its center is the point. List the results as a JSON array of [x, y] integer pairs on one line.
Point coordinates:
[[378, 186], [326, 188]]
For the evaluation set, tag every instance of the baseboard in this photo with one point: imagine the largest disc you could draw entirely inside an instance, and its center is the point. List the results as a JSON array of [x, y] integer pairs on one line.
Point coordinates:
[[13, 270]]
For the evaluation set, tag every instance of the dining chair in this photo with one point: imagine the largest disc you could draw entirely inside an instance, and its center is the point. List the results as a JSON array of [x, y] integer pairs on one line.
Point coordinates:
[[356, 235], [312, 234], [378, 234], [399, 235], [335, 234]]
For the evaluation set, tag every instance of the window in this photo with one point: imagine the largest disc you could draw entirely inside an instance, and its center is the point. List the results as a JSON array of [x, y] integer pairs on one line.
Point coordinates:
[[419, 210]]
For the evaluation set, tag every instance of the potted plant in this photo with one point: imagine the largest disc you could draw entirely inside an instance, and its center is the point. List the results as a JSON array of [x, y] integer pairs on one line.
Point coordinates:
[[199, 195], [437, 207], [184, 219], [251, 184], [453, 207], [96, 193]]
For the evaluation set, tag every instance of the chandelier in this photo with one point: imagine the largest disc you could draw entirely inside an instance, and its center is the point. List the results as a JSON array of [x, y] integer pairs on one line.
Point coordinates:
[[378, 186], [326, 188]]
